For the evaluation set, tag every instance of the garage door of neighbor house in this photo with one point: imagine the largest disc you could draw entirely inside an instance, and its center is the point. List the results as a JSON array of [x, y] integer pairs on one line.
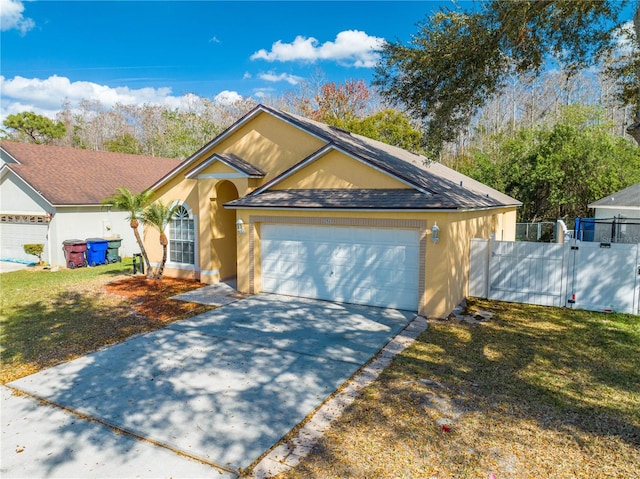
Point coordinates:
[[371, 266], [14, 235]]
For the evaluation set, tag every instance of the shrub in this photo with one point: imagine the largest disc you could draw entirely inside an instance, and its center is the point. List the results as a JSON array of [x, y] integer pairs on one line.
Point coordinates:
[[34, 249]]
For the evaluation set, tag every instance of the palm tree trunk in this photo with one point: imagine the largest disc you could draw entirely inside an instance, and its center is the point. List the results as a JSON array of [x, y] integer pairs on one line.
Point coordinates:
[[164, 260]]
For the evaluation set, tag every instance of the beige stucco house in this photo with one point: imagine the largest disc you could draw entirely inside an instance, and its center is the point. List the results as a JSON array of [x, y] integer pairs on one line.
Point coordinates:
[[291, 206]]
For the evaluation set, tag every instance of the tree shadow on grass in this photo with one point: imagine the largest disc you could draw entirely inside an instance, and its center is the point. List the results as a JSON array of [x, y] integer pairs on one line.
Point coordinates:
[[567, 381], [41, 334]]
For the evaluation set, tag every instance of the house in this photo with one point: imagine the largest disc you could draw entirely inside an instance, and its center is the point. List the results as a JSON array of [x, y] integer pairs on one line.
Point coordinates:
[[616, 218], [291, 206], [49, 194], [624, 203]]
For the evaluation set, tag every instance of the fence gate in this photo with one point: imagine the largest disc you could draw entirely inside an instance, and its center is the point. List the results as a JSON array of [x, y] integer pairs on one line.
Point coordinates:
[[592, 276]]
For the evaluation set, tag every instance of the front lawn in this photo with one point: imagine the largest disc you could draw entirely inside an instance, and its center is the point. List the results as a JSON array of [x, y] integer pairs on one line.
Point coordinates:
[[49, 317], [534, 392]]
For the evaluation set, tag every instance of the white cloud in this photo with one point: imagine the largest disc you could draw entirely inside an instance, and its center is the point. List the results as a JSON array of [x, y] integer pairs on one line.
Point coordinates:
[[273, 77], [227, 97], [11, 17], [625, 38], [351, 48], [262, 93], [46, 96]]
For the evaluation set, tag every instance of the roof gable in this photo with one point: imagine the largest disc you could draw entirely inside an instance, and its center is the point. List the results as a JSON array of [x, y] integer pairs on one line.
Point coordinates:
[[332, 168], [70, 176], [413, 170], [416, 170], [236, 167], [627, 198]]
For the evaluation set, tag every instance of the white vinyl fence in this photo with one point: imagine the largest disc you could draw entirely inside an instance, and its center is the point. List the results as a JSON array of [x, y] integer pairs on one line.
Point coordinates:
[[584, 275]]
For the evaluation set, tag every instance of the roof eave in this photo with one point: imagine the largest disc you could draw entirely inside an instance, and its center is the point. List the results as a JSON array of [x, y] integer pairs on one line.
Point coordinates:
[[371, 210], [5, 170]]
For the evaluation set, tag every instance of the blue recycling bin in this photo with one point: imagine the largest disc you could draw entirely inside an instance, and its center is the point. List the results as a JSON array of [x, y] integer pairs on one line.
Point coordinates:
[[97, 251]]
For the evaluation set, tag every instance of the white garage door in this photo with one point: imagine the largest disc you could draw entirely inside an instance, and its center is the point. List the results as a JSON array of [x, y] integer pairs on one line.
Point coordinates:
[[14, 235], [372, 266]]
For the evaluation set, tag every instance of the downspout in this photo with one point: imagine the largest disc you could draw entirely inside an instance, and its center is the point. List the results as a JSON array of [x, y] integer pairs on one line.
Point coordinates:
[[49, 217]]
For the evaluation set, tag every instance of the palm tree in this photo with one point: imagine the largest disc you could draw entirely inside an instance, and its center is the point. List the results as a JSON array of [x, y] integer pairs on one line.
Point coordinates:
[[159, 215], [134, 204]]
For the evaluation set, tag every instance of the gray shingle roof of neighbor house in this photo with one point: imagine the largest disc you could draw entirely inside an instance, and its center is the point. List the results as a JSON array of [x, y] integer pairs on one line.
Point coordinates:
[[440, 187], [627, 197], [71, 176]]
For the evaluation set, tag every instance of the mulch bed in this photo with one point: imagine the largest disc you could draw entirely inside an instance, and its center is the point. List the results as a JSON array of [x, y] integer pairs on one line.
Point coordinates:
[[153, 298]]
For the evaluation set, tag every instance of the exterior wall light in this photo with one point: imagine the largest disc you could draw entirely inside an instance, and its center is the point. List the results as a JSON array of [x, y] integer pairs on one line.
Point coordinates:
[[435, 233], [240, 226]]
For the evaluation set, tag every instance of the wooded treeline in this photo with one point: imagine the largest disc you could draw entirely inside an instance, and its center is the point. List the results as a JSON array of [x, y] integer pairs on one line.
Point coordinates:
[[556, 142]]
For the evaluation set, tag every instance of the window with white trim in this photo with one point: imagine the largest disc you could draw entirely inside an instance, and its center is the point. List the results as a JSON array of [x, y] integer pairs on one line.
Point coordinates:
[[182, 237]]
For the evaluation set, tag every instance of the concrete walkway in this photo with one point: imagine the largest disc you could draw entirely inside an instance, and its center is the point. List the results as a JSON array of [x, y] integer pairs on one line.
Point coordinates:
[[9, 266], [215, 391]]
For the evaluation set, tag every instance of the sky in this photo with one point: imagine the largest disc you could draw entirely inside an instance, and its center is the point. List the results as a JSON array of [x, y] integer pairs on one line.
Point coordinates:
[[160, 52]]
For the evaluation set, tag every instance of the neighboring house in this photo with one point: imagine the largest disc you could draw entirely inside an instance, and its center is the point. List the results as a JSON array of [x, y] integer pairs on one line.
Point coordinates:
[[617, 218], [624, 203], [49, 194], [291, 206]]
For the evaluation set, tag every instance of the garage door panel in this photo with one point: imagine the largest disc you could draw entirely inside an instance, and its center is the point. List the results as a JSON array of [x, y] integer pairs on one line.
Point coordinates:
[[342, 254], [378, 267], [14, 236], [393, 298]]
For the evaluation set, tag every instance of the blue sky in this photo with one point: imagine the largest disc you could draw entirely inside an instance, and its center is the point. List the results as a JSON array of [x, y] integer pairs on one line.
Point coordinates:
[[161, 52], [158, 52]]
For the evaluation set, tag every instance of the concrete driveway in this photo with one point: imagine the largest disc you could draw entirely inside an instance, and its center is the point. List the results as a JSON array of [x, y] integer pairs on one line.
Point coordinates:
[[221, 388]]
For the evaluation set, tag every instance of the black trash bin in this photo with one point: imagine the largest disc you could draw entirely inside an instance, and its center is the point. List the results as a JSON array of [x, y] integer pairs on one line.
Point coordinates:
[[113, 245], [74, 252]]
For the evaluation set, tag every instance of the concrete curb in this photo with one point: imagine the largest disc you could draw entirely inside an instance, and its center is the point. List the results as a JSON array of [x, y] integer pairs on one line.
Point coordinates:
[[287, 455]]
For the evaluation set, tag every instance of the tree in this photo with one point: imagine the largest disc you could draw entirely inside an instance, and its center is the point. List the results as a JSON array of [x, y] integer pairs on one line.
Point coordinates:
[[458, 60], [34, 128], [134, 204], [624, 68], [159, 215], [126, 143], [331, 103], [389, 126], [556, 170]]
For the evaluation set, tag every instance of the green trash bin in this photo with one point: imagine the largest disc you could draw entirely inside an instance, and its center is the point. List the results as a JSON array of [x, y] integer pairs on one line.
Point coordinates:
[[113, 246]]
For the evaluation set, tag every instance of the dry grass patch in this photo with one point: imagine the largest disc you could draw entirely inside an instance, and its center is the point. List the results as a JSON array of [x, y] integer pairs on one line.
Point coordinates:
[[51, 317], [534, 392]]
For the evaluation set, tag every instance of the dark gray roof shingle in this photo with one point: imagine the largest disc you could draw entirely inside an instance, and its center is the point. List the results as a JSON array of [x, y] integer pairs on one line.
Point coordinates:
[[449, 186], [629, 196], [395, 199]]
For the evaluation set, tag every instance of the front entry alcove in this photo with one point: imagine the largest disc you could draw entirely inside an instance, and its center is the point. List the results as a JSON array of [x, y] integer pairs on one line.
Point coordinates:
[[223, 229]]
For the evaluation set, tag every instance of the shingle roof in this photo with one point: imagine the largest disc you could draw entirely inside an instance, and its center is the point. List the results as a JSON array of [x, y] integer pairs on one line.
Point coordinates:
[[70, 176], [447, 186], [433, 179], [395, 199], [231, 160], [241, 165], [628, 197]]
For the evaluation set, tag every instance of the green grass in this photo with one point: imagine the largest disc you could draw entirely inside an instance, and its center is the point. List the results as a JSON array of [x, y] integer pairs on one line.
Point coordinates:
[[47, 317], [534, 392]]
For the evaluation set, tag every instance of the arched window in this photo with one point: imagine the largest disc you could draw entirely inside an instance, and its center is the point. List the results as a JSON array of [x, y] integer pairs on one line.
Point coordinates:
[[182, 237]]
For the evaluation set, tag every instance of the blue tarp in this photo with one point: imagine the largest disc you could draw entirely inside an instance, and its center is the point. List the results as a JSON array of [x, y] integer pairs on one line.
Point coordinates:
[[21, 261]]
